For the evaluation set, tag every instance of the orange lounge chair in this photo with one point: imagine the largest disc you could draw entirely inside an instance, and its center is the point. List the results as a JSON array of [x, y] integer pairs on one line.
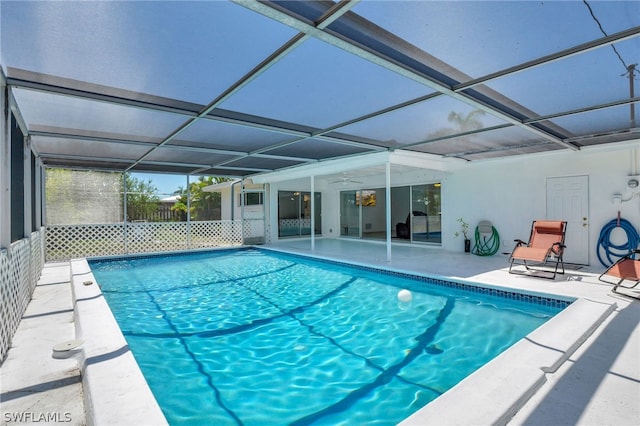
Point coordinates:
[[546, 245], [625, 269]]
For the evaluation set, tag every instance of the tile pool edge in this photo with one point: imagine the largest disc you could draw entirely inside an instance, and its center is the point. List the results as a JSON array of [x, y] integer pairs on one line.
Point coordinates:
[[439, 280], [115, 390]]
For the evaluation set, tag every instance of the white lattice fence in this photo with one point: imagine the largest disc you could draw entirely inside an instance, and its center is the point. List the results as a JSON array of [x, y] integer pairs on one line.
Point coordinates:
[[153, 237], [20, 271], [8, 304], [220, 233], [37, 257], [66, 242], [20, 268]]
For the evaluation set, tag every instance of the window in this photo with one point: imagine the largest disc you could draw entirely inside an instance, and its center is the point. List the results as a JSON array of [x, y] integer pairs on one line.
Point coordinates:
[[252, 199], [17, 182], [35, 169]]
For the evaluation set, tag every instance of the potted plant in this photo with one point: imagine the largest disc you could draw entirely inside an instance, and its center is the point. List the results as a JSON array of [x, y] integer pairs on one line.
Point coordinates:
[[465, 232]]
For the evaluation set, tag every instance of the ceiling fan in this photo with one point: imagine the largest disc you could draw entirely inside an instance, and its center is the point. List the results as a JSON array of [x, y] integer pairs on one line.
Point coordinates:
[[345, 180]]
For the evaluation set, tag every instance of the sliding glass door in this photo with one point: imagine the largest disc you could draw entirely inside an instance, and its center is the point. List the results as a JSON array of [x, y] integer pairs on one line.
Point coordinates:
[[426, 216], [362, 213], [294, 213], [349, 214], [306, 205], [415, 213]]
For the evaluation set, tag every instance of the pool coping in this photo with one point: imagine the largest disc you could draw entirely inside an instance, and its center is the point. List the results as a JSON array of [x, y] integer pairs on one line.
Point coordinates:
[[115, 390], [491, 395], [494, 393]]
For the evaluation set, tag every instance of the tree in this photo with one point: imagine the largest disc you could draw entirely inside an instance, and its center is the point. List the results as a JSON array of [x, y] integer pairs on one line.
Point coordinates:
[[204, 205], [461, 123], [142, 201]]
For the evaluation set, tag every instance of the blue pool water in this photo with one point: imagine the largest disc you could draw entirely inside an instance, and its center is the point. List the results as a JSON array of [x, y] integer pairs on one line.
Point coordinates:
[[253, 337]]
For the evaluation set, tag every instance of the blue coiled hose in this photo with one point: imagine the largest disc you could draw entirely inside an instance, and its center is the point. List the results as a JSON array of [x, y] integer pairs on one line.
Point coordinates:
[[620, 250]]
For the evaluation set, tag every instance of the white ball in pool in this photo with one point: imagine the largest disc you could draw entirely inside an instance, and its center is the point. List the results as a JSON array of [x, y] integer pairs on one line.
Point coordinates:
[[405, 296]]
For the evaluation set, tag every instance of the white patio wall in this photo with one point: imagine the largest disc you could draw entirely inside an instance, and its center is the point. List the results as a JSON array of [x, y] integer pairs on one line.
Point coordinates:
[[511, 192]]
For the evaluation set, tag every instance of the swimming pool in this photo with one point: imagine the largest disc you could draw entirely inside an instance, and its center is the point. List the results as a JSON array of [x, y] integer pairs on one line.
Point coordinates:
[[255, 337]]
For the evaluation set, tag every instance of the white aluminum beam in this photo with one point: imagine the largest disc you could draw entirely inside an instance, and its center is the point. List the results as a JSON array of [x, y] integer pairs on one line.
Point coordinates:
[[5, 167]]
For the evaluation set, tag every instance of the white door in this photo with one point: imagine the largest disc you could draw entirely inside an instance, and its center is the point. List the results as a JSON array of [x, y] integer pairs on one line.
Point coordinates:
[[568, 199]]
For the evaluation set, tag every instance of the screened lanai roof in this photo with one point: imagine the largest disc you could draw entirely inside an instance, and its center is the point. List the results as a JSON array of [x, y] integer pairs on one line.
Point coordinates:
[[241, 88]]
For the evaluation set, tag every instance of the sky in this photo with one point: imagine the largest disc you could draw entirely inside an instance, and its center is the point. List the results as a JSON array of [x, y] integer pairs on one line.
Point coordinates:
[[166, 183]]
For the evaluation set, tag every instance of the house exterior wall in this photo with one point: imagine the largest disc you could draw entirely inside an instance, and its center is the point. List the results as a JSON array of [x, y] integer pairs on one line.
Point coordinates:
[[511, 193], [225, 204], [230, 208], [330, 210]]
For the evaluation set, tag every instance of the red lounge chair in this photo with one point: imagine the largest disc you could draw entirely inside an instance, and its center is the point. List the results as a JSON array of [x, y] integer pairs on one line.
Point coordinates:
[[625, 269], [546, 245]]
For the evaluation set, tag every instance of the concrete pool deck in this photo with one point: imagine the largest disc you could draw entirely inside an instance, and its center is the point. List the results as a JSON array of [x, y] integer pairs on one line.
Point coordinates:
[[35, 388], [596, 383]]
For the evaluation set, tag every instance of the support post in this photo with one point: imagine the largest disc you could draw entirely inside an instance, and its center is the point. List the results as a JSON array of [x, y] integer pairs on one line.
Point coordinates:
[[632, 107], [242, 200], [313, 214], [188, 213], [388, 207], [124, 212]]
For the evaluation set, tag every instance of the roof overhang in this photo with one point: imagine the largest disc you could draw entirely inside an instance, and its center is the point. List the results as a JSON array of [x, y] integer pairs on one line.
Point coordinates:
[[397, 159]]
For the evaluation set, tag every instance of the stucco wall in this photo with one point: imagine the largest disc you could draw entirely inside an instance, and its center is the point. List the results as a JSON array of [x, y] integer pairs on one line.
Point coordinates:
[[512, 193]]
